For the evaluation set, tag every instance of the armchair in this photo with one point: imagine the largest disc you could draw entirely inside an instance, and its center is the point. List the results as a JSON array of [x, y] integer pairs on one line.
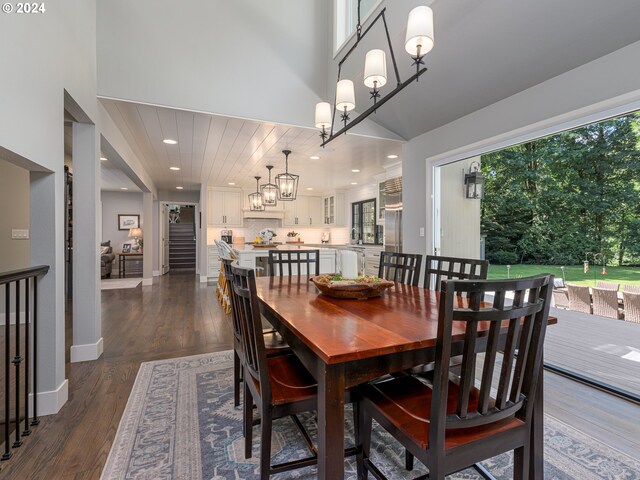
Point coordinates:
[[106, 259]]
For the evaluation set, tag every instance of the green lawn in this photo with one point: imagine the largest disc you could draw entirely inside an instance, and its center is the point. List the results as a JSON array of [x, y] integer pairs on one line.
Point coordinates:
[[572, 274]]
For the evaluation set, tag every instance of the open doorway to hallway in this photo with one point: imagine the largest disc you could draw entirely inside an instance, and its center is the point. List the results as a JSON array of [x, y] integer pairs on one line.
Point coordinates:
[[179, 238]]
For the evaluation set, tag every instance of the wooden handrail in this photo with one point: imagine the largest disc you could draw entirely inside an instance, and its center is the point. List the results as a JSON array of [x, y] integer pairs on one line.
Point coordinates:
[[21, 274]]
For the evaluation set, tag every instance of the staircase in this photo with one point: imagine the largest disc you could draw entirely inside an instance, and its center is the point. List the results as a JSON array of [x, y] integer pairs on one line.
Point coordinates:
[[182, 246]]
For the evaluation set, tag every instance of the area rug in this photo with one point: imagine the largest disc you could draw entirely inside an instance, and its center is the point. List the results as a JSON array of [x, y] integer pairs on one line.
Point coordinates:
[[180, 423], [117, 283]]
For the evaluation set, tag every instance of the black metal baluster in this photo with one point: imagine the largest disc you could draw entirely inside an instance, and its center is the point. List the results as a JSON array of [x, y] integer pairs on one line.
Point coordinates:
[[27, 339], [36, 420], [7, 371], [17, 360]]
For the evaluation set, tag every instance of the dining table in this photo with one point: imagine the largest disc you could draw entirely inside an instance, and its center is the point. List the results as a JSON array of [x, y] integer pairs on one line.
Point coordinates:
[[347, 342]]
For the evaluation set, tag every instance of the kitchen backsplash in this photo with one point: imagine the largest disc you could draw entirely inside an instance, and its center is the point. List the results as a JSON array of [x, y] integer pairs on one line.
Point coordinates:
[[253, 225]]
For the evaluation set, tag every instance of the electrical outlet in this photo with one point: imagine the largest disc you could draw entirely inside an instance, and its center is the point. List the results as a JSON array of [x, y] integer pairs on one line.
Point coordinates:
[[19, 234], [422, 231]]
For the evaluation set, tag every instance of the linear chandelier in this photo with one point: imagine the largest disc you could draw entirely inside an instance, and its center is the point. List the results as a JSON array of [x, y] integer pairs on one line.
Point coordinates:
[[419, 41]]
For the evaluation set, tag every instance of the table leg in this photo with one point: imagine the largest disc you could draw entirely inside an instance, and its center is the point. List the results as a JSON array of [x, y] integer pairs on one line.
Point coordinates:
[[330, 422], [536, 454]]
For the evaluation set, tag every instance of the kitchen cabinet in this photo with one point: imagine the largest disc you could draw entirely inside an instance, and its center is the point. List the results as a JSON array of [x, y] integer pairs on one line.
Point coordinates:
[[303, 212], [333, 210], [213, 262], [224, 207]]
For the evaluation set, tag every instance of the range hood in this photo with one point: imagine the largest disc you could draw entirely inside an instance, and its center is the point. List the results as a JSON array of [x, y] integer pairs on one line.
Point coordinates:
[[275, 213]]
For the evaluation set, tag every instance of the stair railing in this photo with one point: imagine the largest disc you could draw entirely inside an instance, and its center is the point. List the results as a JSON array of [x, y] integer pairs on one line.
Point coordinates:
[[27, 341]]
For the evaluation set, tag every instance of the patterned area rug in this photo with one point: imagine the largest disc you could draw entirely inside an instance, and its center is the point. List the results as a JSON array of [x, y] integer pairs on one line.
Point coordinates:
[[180, 423]]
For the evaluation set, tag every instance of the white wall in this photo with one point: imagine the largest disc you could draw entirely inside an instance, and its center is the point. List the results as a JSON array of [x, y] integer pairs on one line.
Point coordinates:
[[14, 199], [114, 203], [606, 86], [243, 58]]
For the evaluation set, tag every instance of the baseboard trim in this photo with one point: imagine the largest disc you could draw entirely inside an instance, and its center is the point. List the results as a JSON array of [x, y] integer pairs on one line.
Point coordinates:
[[12, 318], [87, 352], [50, 403], [203, 279], [156, 273], [147, 282]]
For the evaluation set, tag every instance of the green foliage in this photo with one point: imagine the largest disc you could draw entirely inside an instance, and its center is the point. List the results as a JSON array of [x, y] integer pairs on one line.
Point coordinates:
[[561, 197], [573, 274]]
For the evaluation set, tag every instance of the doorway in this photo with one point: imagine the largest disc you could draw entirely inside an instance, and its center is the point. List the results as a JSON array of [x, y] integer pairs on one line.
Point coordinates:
[[179, 238]]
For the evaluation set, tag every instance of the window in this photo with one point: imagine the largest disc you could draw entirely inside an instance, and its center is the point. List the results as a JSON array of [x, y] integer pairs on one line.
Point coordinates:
[[363, 222], [346, 18]]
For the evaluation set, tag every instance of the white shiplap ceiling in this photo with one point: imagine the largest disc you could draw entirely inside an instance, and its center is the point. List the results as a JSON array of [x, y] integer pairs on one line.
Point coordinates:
[[218, 150]]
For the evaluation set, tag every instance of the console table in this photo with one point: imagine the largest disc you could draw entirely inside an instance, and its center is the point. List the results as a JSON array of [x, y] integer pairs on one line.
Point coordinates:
[[122, 263]]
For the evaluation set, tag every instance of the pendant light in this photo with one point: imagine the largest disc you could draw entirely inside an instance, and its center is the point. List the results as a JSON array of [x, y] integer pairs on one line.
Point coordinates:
[[287, 182], [375, 71], [255, 199], [269, 191], [323, 118], [345, 99]]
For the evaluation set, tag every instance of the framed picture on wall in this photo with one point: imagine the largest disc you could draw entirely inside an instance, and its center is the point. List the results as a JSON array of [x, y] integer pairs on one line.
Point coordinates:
[[125, 222], [126, 248]]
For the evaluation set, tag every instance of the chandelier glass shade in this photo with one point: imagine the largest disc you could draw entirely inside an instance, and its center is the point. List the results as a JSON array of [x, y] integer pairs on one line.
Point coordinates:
[[287, 182], [269, 191], [255, 199]]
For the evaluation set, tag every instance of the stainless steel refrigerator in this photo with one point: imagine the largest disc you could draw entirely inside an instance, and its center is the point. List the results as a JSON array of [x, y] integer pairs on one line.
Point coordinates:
[[393, 215]]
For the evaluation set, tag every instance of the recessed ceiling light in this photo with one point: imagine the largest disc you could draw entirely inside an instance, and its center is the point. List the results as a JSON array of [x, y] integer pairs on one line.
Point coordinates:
[[392, 156], [355, 170], [124, 188], [354, 183], [179, 188], [315, 157], [169, 141], [104, 159], [231, 183], [175, 169], [309, 188]]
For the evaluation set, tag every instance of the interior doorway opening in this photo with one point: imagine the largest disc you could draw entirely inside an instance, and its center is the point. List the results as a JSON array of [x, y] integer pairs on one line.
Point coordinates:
[[179, 238]]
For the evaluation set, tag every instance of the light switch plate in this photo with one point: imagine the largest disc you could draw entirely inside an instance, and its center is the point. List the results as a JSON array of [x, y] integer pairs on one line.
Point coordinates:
[[19, 234], [422, 231]]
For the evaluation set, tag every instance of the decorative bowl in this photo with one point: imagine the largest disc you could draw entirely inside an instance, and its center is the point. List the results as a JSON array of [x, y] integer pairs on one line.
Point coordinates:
[[353, 289]]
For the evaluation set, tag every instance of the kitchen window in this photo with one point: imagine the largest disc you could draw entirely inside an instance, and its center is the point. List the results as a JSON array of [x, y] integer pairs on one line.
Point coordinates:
[[363, 222]]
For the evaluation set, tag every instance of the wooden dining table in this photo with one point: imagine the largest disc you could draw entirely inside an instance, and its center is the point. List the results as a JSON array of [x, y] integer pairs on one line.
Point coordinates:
[[345, 343]]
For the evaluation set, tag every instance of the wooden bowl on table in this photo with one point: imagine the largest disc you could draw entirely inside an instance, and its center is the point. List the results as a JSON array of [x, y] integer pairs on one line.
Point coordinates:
[[359, 289]]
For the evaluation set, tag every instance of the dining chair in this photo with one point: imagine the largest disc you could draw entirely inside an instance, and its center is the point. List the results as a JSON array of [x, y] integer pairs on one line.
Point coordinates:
[[274, 344], [447, 268], [579, 298], [609, 285], [400, 267], [280, 386], [631, 301], [486, 409], [605, 303], [282, 262], [631, 288]]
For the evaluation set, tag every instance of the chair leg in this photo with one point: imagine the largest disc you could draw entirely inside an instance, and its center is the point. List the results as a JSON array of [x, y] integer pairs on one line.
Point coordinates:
[[265, 443], [521, 463], [236, 380], [363, 440], [247, 408], [408, 460]]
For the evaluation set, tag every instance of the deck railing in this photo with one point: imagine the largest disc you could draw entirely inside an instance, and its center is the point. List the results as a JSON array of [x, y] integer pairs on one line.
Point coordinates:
[[21, 323]]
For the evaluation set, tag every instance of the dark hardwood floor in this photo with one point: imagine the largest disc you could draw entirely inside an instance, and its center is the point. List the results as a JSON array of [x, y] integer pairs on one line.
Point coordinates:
[[176, 317]]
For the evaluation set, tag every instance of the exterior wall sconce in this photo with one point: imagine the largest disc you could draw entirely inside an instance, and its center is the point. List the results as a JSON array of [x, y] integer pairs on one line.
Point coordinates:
[[474, 182]]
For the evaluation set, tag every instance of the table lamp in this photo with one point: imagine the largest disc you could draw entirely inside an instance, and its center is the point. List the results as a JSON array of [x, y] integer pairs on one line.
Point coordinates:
[[137, 234]]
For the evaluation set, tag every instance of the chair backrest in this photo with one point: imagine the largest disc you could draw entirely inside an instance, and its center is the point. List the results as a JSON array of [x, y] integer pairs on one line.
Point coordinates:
[[608, 285], [605, 302], [560, 298], [248, 311], [226, 269], [631, 302], [523, 321], [400, 267], [291, 262], [631, 288], [448, 268], [579, 298]]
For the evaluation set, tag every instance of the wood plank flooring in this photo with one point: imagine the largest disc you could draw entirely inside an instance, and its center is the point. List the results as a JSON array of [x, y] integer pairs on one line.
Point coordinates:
[[178, 316]]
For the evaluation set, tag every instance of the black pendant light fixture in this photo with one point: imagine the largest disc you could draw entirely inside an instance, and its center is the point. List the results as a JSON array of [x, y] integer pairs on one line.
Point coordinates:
[[287, 182], [255, 199], [269, 191]]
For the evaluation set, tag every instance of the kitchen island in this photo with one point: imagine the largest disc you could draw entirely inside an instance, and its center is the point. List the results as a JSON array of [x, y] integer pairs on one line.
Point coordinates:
[[251, 257]]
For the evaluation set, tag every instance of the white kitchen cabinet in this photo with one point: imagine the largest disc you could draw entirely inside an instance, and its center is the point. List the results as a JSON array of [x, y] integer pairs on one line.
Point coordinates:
[[303, 212], [371, 262], [315, 212], [213, 262], [333, 210], [224, 207]]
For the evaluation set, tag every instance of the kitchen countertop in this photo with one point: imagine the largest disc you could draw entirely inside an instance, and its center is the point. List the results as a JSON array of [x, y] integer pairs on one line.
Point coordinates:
[[251, 248]]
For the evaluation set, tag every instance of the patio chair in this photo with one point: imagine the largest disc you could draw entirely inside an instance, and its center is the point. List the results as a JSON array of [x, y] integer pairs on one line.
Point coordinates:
[[631, 306], [579, 298], [631, 288], [608, 285], [605, 303], [560, 298]]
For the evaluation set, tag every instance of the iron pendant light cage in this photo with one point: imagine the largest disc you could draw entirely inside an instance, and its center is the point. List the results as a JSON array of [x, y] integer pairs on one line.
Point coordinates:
[[287, 182], [269, 191], [256, 203]]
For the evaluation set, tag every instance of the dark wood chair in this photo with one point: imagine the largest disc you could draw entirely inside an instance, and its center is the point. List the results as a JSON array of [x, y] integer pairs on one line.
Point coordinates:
[[400, 267], [282, 262], [458, 421], [448, 268], [274, 344]]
